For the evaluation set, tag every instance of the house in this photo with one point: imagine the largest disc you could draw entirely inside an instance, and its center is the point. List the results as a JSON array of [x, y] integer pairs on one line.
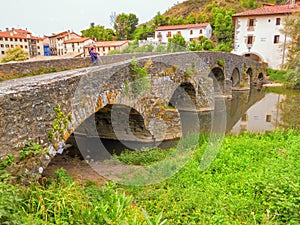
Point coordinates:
[[259, 36], [187, 31], [17, 37], [103, 47], [77, 45], [56, 42]]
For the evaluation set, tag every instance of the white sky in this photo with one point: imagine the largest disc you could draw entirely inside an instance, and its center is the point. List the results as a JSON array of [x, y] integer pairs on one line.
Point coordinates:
[[53, 16]]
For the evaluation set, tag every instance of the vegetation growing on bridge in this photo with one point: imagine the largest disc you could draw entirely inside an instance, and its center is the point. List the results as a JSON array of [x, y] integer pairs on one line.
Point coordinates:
[[253, 180], [140, 81]]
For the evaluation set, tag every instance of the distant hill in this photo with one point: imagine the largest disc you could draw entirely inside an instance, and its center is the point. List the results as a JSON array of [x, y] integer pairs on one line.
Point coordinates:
[[205, 7]]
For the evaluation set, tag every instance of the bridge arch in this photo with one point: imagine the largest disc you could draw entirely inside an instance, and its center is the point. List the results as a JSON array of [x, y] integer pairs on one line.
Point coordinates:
[[183, 96], [254, 56], [235, 77], [218, 77]]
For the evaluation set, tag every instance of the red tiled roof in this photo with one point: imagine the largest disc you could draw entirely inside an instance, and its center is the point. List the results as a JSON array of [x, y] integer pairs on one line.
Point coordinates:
[[181, 27], [63, 34], [270, 9], [109, 43], [18, 33], [77, 40]]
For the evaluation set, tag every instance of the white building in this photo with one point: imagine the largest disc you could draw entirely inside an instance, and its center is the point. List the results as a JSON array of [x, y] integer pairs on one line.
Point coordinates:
[[77, 45], [258, 33], [57, 42], [187, 31], [22, 38]]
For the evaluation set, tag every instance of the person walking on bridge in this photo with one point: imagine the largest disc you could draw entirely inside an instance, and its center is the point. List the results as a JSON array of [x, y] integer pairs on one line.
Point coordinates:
[[94, 55]]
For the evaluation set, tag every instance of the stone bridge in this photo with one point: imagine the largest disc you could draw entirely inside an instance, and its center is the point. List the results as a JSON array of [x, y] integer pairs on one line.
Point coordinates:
[[137, 99]]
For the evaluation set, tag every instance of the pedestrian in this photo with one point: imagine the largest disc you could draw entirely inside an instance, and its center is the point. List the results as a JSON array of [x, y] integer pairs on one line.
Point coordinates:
[[94, 55]]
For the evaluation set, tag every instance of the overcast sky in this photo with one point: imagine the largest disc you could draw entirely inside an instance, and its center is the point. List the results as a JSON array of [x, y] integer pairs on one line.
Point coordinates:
[[53, 16]]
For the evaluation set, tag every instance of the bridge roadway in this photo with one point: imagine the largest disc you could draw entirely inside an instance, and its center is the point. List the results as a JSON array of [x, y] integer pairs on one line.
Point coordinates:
[[110, 98]]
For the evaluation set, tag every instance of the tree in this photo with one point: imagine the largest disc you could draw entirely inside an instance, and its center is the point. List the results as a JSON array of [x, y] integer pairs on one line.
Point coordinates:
[[176, 43], [125, 25], [160, 20], [291, 29], [15, 54], [98, 32]]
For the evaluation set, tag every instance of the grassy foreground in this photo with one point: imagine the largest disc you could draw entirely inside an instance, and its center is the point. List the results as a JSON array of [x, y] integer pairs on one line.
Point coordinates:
[[255, 179]]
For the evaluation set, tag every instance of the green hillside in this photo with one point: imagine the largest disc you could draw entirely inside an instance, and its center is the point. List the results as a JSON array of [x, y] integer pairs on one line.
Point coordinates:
[[205, 7]]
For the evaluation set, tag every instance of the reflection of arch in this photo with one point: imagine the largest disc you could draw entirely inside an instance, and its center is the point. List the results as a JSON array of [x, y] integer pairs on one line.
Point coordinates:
[[218, 77], [184, 96], [235, 77], [254, 56]]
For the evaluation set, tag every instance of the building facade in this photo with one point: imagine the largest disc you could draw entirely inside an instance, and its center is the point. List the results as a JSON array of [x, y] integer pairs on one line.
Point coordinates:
[[104, 47], [259, 33], [56, 42], [24, 39], [77, 45], [187, 31]]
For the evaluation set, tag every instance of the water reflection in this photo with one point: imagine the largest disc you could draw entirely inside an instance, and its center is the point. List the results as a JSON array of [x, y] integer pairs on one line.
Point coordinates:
[[274, 110]]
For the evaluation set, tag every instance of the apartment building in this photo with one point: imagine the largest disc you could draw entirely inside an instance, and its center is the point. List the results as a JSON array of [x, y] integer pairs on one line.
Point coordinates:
[[56, 42], [11, 38], [187, 31], [77, 45], [259, 33]]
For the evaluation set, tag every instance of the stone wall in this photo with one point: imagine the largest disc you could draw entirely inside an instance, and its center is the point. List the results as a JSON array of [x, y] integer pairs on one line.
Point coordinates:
[[42, 66]]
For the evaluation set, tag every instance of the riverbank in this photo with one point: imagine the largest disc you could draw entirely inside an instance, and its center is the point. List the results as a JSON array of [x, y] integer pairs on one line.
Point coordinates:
[[253, 180]]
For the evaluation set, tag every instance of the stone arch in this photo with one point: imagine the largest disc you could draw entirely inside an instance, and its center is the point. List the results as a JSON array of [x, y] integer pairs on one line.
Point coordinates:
[[218, 76], [254, 56], [249, 74], [260, 76], [119, 124], [184, 97], [235, 77]]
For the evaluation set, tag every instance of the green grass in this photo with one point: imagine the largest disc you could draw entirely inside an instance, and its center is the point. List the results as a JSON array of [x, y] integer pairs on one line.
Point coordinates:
[[253, 180], [278, 76]]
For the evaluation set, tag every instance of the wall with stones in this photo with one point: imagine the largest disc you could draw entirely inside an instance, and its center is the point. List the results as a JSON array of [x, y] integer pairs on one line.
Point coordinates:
[[41, 66]]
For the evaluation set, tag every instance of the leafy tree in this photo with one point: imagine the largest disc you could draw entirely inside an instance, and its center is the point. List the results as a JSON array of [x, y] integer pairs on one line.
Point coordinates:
[[176, 44], [202, 44], [15, 54], [141, 33], [98, 32], [160, 20], [291, 29], [125, 25]]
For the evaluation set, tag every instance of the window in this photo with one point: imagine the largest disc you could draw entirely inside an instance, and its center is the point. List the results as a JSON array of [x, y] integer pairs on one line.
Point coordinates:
[[6, 39], [2, 45], [191, 32], [21, 40], [7, 46], [1, 39], [2, 52], [179, 32], [26, 46], [21, 46], [277, 21], [11, 46], [251, 22], [250, 40], [200, 31], [276, 39], [169, 34]]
